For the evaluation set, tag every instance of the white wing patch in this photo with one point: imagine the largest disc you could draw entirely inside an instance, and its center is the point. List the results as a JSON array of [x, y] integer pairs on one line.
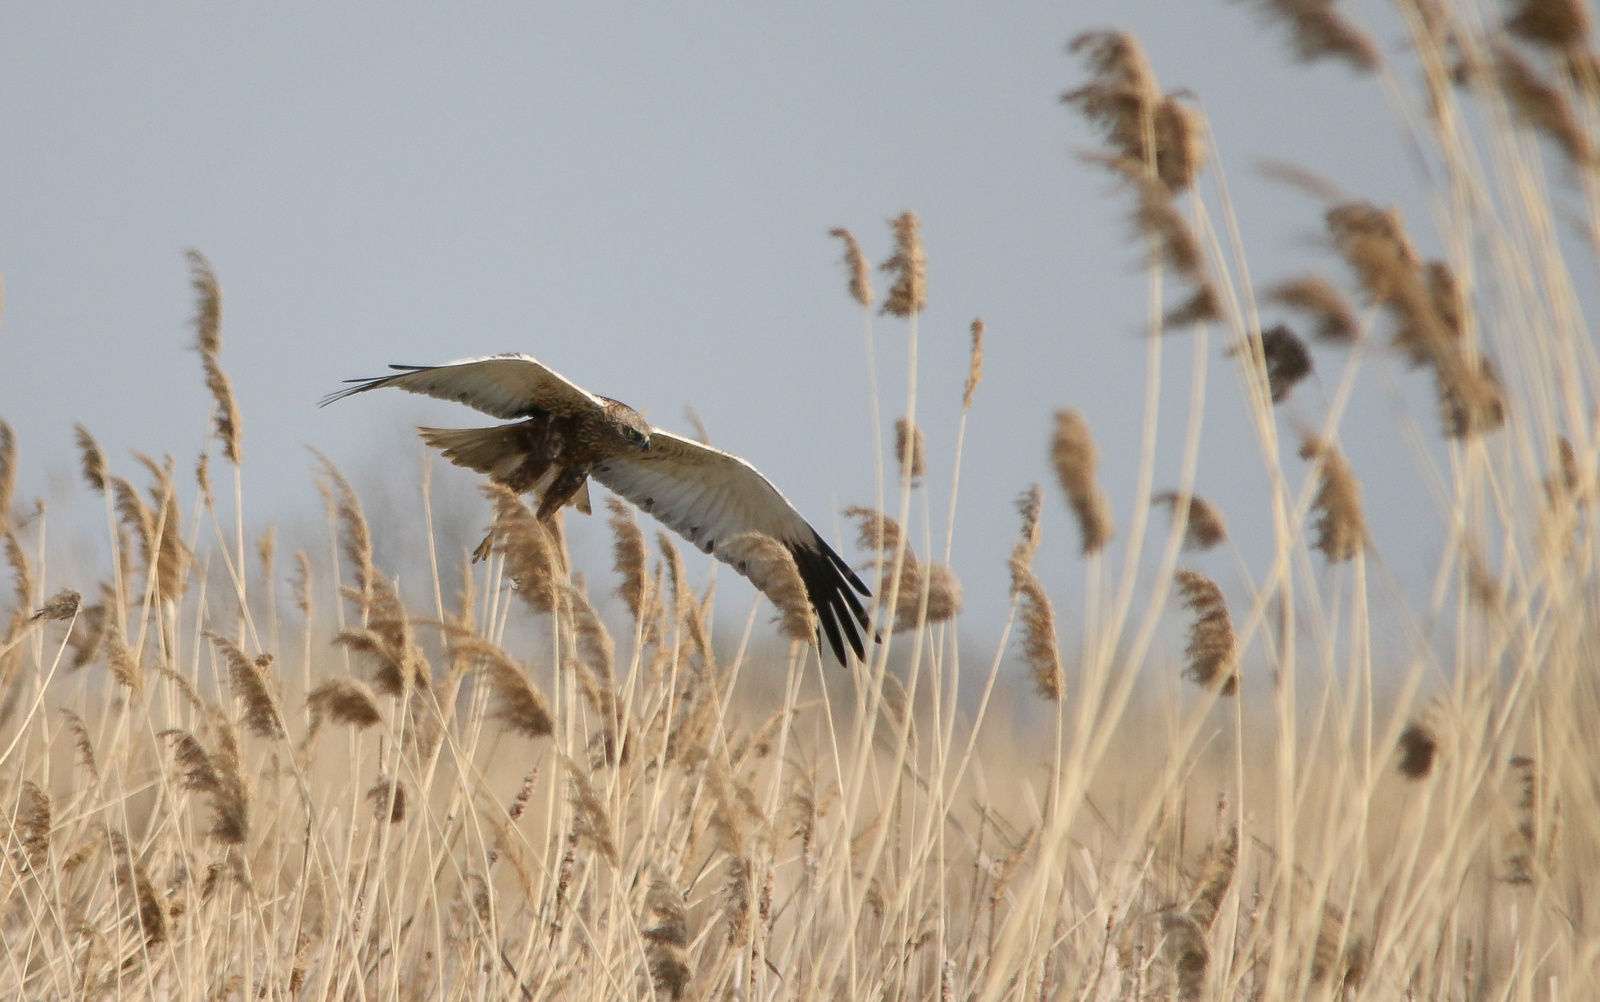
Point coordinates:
[[703, 494], [505, 386]]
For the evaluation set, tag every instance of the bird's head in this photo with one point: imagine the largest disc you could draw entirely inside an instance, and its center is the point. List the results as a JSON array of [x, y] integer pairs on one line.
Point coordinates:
[[628, 425]]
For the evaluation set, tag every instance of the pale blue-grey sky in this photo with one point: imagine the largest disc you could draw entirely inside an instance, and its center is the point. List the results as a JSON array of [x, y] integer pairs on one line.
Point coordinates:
[[640, 196]]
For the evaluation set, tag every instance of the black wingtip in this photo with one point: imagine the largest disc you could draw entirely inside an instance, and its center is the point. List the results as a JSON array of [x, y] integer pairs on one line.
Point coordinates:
[[841, 618]]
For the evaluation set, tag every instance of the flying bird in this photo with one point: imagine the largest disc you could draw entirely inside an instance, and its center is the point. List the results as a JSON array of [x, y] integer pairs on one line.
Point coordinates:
[[561, 435]]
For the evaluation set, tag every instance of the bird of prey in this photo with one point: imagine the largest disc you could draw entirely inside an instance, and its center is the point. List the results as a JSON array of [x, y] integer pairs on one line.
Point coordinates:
[[560, 435]]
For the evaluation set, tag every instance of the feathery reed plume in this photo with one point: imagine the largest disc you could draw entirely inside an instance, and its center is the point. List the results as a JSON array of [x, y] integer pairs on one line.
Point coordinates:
[[383, 807], [1302, 179], [909, 436], [355, 538], [1419, 745], [1076, 459], [1325, 305], [1216, 876], [1121, 98], [1541, 106], [594, 642], [1318, 31], [202, 478], [856, 264], [880, 533], [1184, 947], [1039, 648], [1204, 527], [1341, 528], [666, 937], [208, 342], [171, 567], [8, 472], [974, 364], [88, 636], [532, 557], [1201, 307], [771, 568], [516, 700], [134, 515], [124, 664], [1285, 356], [91, 460], [248, 680], [1211, 653], [32, 824], [343, 700], [684, 604], [21, 575], [1157, 220], [591, 822], [267, 552], [81, 743], [1348, 967], [693, 417], [630, 556], [909, 265], [389, 662], [217, 777], [1520, 863], [300, 583], [186, 688], [876, 531], [944, 593], [61, 606], [130, 877], [1029, 505], [1551, 24]]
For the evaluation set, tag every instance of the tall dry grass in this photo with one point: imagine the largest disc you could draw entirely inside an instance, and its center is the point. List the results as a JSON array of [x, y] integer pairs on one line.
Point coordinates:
[[500, 793]]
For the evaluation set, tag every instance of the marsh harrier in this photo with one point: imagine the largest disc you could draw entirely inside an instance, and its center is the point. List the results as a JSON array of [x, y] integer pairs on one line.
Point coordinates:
[[561, 435]]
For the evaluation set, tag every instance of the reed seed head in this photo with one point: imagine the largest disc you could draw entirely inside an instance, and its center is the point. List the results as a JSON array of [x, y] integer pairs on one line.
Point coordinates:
[[908, 437], [1341, 527], [248, 680], [856, 264], [1204, 527], [1322, 303], [81, 743], [1551, 24], [1318, 31], [92, 461], [1039, 648], [344, 700], [63, 605], [8, 473], [909, 266], [1212, 658], [1076, 460], [1285, 357], [974, 364], [1542, 106], [771, 568], [517, 701]]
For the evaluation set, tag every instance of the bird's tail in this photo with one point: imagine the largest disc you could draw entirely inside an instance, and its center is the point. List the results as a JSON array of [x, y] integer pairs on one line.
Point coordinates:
[[504, 454], [494, 451]]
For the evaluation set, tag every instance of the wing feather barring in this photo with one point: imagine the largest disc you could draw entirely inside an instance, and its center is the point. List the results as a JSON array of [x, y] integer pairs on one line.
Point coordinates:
[[562, 435]]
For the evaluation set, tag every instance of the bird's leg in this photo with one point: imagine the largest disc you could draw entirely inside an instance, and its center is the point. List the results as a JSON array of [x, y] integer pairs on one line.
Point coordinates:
[[562, 489]]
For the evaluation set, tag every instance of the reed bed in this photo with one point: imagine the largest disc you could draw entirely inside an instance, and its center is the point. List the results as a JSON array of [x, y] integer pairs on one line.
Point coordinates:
[[529, 780]]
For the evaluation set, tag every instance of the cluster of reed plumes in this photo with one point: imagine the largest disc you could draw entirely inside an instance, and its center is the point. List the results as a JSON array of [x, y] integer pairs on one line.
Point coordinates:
[[1206, 780]]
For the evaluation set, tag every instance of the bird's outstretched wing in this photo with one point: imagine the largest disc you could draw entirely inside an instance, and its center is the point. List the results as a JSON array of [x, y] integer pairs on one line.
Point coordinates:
[[707, 495], [506, 386]]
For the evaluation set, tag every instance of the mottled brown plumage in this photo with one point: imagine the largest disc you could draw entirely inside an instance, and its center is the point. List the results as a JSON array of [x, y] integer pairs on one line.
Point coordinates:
[[562, 435]]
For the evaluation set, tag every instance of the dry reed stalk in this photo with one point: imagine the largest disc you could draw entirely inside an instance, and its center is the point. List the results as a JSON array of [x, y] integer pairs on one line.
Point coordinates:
[[248, 680], [1211, 654], [343, 701], [666, 937], [1318, 31], [591, 821], [532, 553], [388, 798], [217, 776], [909, 265], [909, 436], [516, 700], [1341, 528], [63, 605], [771, 568], [1073, 452], [974, 364], [92, 462], [1204, 527], [1541, 106], [856, 264], [1324, 304], [82, 744], [1284, 356], [208, 342], [8, 473]]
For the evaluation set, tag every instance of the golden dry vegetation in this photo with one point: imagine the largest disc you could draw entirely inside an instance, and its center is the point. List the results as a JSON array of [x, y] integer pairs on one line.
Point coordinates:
[[495, 791]]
